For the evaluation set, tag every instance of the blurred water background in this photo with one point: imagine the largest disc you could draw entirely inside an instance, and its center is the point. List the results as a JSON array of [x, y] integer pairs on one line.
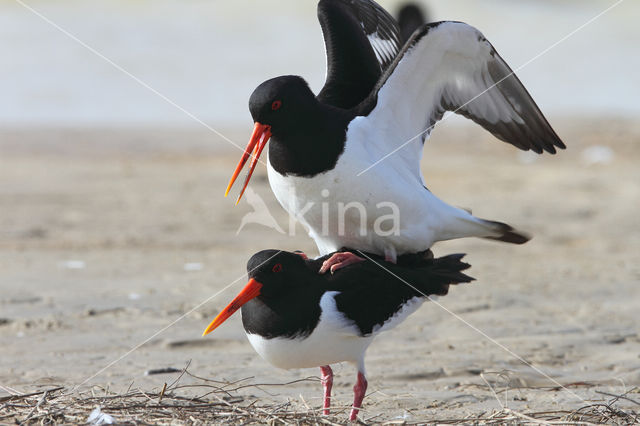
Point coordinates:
[[208, 56]]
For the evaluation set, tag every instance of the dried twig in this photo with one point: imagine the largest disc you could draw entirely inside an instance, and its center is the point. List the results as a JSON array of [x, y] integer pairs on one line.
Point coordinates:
[[221, 402]]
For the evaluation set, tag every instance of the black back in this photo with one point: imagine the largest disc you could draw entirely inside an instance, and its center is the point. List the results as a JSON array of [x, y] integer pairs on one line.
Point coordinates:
[[370, 292]]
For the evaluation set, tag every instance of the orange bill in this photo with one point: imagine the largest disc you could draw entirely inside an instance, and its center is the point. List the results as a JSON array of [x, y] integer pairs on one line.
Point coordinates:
[[259, 138], [250, 291]]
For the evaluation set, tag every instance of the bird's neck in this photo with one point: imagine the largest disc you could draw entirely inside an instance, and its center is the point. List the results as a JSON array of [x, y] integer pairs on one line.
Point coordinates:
[[293, 314], [313, 145]]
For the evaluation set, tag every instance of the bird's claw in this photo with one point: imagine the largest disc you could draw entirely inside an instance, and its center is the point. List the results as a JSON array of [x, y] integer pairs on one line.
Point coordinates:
[[339, 260]]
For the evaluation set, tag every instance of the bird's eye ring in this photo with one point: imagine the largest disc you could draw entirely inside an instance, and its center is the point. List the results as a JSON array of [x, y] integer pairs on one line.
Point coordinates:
[[277, 267], [276, 105]]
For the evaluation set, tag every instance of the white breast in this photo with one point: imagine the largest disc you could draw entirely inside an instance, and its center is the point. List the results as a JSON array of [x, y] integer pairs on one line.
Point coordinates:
[[335, 339]]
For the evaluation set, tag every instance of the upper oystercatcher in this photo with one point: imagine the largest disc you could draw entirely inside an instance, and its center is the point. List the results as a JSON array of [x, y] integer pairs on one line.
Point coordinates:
[[346, 163], [296, 318]]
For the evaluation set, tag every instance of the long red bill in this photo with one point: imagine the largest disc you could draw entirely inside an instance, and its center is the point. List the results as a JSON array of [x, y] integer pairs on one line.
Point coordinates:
[[250, 291], [259, 138]]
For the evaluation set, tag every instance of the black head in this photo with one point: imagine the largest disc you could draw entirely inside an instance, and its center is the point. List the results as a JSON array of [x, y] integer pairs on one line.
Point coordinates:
[[281, 102], [277, 270], [307, 136], [271, 272], [281, 107]]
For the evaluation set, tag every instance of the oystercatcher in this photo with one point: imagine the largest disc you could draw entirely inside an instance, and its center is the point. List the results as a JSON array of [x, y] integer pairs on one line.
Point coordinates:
[[346, 163], [296, 318]]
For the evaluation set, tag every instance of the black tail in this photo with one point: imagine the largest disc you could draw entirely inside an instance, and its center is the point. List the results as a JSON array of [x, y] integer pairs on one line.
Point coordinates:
[[438, 274], [450, 268], [508, 233], [421, 271]]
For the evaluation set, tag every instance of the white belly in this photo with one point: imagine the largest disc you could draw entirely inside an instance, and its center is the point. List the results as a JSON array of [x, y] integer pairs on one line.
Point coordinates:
[[381, 209], [335, 339]]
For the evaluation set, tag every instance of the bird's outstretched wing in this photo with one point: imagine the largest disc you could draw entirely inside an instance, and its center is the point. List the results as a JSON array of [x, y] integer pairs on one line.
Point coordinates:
[[450, 66], [361, 41]]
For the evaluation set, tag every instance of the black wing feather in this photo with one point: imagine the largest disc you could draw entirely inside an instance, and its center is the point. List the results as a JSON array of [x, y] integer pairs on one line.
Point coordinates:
[[361, 41], [392, 286], [467, 76]]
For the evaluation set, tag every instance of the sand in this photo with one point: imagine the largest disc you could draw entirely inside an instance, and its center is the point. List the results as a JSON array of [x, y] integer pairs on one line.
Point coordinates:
[[117, 248]]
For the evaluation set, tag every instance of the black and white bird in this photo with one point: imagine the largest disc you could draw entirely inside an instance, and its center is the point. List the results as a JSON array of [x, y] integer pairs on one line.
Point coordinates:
[[346, 163], [296, 318]]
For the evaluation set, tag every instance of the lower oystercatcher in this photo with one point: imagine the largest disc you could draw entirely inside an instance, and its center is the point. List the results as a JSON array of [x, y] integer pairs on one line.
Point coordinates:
[[346, 163], [297, 318]]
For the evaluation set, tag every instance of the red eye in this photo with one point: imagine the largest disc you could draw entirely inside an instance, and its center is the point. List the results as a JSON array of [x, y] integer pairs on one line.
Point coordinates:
[[276, 105], [277, 267]]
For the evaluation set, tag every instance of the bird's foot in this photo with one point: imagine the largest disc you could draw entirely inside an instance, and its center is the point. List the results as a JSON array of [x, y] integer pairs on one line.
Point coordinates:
[[327, 383], [359, 391], [301, 254], [339, 260]]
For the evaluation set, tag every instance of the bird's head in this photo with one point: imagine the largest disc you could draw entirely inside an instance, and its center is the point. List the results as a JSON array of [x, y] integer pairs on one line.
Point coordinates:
[[270, 272], [278, 106], [280, 101]]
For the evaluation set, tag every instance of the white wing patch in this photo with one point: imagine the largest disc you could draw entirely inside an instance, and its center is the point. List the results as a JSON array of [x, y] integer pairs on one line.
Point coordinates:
[[384, 49]]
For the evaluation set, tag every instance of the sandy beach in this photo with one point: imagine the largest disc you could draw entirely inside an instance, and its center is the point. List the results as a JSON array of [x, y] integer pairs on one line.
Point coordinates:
[[117, 248]]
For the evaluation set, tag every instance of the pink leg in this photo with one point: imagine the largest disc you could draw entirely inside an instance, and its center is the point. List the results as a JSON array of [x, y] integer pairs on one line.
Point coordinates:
[[339, 260], [327, 383], [359, 390]]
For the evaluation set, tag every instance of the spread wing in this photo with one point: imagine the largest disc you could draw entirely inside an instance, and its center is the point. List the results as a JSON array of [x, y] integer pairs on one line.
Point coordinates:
[[361, 41], [450, 66]]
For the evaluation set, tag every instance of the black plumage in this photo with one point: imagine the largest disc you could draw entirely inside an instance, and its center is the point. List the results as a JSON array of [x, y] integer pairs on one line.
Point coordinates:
[[354, 63], [369, 292]]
